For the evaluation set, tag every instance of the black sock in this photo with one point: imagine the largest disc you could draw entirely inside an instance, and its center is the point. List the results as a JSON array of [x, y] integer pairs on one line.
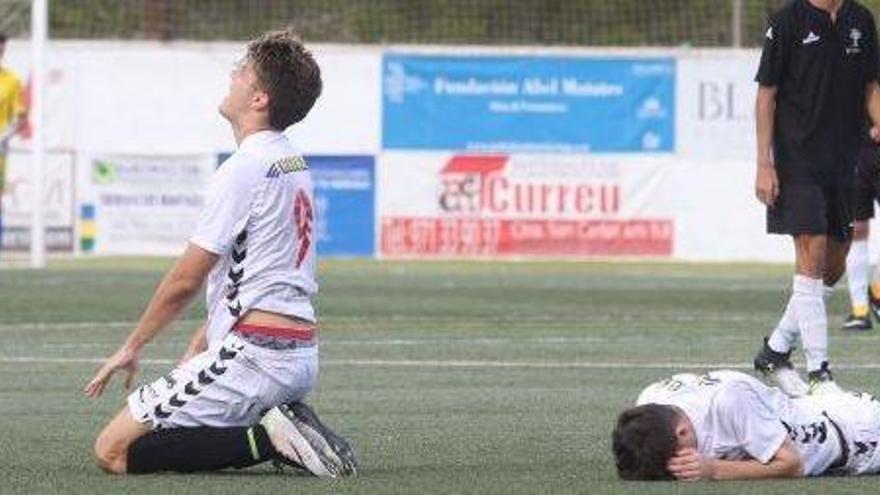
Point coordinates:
[[186, 450]]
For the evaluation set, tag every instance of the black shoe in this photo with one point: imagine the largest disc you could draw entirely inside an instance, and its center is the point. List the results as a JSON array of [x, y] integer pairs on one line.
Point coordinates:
[[822, 382], [854, 322], [334, 450], [768, 361], [776, 366], [874, 304]]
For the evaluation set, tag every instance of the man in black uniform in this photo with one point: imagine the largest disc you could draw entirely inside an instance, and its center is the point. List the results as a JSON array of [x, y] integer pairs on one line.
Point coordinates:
[[863, 295], [817, 80]]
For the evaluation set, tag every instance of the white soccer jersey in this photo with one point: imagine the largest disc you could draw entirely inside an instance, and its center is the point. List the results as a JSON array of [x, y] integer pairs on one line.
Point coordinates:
[[260, 219], [737, 417]]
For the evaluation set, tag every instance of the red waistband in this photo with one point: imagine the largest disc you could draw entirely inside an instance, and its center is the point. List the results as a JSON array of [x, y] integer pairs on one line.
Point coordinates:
[[298, 333]]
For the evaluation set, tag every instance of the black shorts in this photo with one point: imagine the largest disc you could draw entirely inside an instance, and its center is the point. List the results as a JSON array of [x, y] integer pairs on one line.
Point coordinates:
[[812, 209], [866, 184]]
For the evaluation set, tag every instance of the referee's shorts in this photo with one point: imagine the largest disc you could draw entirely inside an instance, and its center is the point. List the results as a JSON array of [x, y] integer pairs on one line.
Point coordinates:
[[812, 209]]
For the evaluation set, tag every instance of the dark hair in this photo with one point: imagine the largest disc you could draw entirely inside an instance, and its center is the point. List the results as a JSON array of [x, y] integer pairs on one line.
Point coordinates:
[[3, 37], [288, 73], [643, 442]]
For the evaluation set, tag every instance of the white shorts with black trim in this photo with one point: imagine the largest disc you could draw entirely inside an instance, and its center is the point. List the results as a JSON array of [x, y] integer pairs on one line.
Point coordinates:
[[230, 384], [858, 416]]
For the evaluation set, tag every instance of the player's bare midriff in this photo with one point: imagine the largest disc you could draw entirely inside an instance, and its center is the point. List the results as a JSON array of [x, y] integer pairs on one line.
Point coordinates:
[[275, 320]]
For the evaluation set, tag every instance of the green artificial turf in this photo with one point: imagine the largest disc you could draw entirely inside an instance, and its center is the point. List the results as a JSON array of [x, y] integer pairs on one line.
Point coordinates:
[[447, 377]]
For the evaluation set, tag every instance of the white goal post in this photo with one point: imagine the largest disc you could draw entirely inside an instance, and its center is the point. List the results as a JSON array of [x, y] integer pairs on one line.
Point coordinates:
[[39, 36]]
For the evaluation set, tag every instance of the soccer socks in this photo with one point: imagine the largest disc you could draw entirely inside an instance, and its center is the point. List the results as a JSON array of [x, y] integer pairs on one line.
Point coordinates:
[[805, 317], [187, 450], [809, 306], [786, 332], [857, 266]]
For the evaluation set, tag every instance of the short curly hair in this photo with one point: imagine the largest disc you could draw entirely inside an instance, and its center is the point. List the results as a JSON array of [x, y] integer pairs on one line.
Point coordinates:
[[288, 73], [643, 442]]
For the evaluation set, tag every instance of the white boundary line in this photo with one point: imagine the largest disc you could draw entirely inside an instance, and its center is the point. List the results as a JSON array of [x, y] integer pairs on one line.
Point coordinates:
[[78, 324], [463, 322], [175, 342], [408, 363]]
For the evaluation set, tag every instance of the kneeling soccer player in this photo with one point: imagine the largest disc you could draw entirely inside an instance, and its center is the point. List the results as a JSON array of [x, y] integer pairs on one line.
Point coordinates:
[[726, 425], [258, 349]]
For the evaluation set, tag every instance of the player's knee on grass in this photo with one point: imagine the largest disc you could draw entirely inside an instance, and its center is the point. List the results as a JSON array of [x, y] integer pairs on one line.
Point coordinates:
[[112, 444], [110, 454]]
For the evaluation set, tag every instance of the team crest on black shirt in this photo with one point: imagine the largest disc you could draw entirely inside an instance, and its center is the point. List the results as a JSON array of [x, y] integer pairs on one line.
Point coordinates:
[[854, 35]]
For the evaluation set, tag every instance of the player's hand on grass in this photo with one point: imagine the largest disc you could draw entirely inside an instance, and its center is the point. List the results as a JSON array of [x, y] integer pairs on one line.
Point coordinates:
[[125, 359], [766, 183], [689, 465]]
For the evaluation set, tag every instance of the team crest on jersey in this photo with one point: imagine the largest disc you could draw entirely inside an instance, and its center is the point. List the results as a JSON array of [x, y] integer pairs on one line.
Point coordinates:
[[287, 165], [769, 33], [854, 35]]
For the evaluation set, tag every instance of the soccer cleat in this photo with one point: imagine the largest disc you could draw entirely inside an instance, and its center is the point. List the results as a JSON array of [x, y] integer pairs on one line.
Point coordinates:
[[821, 381], [334, 450], [777, 366], [291, 446], [854, 322]]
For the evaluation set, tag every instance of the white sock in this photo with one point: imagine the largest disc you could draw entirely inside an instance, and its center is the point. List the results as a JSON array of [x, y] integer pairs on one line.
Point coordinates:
[[809, 307], [786, 333], [857, 276]]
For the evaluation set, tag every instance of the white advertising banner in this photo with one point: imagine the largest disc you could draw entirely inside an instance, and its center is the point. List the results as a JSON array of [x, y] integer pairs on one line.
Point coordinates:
[[475, 205], [717, 216], [144, 204], [58, 201], [716, 104]]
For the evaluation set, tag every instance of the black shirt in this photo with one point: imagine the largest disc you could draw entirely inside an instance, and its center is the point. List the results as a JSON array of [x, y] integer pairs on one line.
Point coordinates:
[[820, 70]]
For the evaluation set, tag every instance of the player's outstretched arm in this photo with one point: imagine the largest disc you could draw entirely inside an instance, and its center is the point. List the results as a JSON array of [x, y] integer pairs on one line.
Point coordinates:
[[689, 465], [175, 291]]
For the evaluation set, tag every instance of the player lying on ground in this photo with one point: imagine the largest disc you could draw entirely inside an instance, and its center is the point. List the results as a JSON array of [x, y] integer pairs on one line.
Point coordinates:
[[726, 425], [257, 351]]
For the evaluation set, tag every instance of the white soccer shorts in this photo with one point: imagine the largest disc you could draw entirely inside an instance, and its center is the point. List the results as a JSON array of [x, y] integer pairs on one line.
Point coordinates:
[[858, 415], [230, 384]]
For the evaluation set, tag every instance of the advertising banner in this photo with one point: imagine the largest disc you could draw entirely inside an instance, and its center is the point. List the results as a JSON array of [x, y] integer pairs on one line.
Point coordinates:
[[58, 201], [144, 204], [528, 104], [345, 196], [477, 205], [716, 105]]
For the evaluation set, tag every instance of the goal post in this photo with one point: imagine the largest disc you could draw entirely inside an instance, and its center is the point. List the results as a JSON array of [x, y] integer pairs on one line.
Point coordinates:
[[39, 37]]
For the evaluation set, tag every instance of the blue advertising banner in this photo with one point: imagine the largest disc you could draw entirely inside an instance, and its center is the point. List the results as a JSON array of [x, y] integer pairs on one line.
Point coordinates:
[[345, 191], [539, 104]]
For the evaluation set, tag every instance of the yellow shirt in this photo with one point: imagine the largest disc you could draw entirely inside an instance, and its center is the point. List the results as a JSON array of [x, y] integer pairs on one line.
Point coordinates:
[[11, 98]]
